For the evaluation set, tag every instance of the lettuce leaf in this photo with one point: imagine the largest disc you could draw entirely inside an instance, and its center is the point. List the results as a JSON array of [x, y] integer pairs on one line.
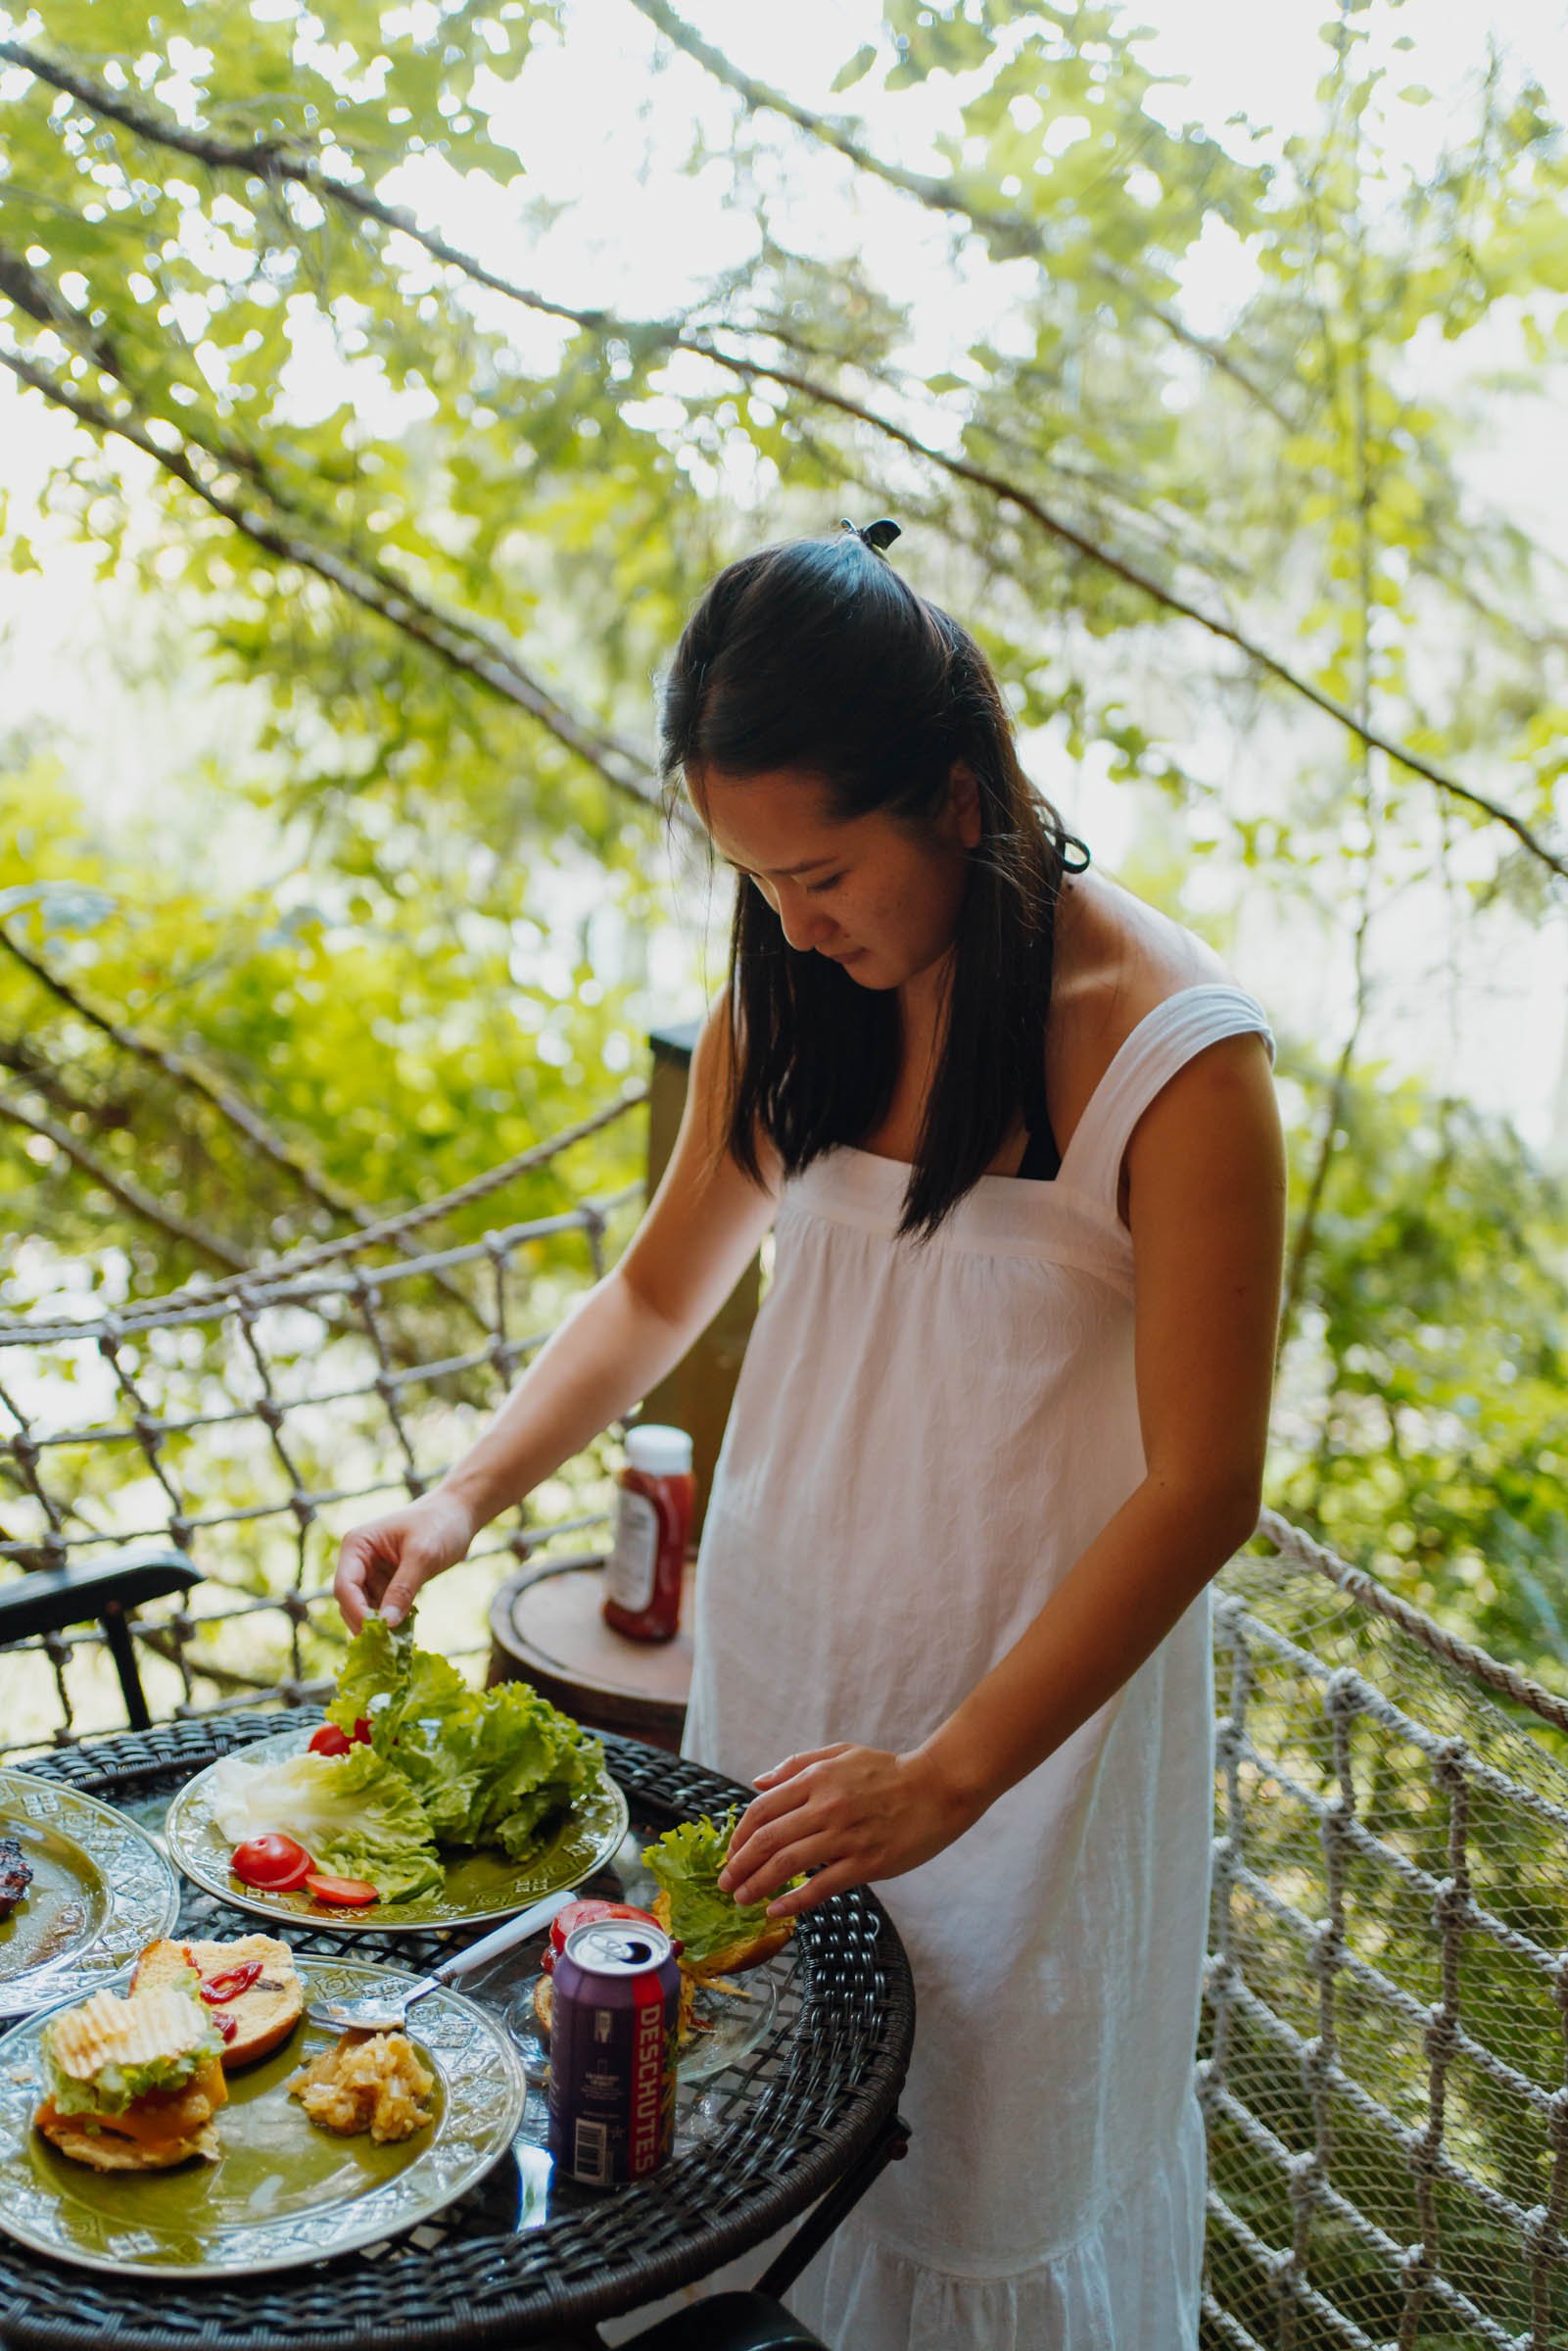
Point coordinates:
[[386, 1681], [356, 1814], [444, 1765], [490, 1766], [684, 1862]]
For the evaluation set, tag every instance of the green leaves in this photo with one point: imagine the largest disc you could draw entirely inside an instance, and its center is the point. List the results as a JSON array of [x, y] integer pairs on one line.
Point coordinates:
[[397, 898], [1437, 1303], [855, 68]]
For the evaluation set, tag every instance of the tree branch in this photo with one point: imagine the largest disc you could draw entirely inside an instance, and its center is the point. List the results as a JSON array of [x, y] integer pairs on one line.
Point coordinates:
[[187, 1074], [269, 160], [452, 642], [1012, 494], [25, 1062], [229, 1106], [128, 1193], [1013, 234]]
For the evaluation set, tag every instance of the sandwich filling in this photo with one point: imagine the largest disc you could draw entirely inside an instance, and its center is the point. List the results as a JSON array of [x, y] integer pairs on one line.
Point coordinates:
[[717, 1934], [146, 2068]]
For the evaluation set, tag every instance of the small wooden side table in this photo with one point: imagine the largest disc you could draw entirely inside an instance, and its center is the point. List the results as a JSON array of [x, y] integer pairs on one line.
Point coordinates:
[[545, 1628]]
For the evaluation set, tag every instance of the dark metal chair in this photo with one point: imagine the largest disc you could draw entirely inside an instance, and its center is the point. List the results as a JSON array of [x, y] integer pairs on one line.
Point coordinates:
[[48, 1598]]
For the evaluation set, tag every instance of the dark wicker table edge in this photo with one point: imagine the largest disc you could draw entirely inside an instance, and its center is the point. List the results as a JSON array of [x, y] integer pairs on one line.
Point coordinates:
[[709, 2206]]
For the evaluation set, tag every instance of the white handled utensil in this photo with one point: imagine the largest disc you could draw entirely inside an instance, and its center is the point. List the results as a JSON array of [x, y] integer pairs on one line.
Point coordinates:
[[373, 2013]]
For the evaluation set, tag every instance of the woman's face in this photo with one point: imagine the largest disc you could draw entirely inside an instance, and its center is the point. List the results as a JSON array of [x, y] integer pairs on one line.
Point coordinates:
[[868, 892]]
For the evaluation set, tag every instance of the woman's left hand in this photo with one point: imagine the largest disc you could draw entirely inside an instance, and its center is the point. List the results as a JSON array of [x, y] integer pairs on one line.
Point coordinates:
[[846, 1813]]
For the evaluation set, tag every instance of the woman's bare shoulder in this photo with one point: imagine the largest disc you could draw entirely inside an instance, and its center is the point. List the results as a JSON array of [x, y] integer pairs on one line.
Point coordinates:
[[1117, 957]]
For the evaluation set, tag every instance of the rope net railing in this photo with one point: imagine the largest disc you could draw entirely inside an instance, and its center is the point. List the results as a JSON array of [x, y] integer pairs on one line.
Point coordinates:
[[1385, 2064], [246, 1422], [1384, 2068]]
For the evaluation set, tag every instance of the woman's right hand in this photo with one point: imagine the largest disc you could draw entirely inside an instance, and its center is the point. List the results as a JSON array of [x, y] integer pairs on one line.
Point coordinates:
[[384, 1563]]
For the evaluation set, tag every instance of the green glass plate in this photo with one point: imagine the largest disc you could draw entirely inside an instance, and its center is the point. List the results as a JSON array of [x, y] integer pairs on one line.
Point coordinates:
[[100, 1891], [481, 1882], [282, 2193]]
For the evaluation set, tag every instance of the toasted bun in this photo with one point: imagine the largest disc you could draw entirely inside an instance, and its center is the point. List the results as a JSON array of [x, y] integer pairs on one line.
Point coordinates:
[[262, 2017], [106, 2153], [750, 1951], [545, 2004], [747, 1951]]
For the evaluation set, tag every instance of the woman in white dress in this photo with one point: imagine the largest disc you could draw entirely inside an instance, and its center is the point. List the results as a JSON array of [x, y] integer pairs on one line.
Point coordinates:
[[1001, 1420]]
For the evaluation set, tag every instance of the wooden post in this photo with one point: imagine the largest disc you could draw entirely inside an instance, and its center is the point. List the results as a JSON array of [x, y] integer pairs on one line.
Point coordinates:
[[697, 1393]]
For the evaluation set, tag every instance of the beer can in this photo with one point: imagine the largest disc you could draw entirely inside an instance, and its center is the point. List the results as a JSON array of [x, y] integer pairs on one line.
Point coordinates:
[[612, 2051]]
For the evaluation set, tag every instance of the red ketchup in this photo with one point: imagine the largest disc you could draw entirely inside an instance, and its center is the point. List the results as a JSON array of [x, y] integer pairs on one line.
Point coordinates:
[[652, 1525]]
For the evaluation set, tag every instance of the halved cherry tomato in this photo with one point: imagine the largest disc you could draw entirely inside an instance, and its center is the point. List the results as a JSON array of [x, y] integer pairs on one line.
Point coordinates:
[[349, 1893], [274, 1863], [328, 1740]]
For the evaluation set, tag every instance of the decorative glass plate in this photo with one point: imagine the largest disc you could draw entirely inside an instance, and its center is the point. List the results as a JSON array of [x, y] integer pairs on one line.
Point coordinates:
[[283, 2191], [481, 1882], [100, 1891]]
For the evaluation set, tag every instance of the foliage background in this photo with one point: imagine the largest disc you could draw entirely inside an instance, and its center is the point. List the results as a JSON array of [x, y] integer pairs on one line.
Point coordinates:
[[386, 493]]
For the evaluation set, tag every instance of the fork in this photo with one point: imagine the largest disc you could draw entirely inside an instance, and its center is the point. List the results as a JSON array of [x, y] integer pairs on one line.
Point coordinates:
[[372, 2014]]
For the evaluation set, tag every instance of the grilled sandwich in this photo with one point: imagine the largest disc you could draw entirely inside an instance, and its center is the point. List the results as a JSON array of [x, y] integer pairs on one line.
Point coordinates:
[[134, 2084]]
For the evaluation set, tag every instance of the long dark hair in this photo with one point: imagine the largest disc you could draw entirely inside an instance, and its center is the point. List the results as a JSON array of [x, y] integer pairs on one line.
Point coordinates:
[[817, 656]]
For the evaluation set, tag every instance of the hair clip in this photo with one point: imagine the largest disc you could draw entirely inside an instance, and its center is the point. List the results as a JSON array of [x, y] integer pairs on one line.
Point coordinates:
[[878, 535]]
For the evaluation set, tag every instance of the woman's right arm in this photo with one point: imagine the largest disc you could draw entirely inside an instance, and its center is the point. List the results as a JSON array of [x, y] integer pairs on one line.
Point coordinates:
[[700, 1231]]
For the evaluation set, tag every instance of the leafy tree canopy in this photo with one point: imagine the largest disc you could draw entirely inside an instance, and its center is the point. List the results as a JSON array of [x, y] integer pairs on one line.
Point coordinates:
[[1248, 570]]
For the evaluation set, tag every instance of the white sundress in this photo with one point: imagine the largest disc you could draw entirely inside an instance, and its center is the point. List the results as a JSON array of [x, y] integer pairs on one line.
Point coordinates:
[[924, 1438]]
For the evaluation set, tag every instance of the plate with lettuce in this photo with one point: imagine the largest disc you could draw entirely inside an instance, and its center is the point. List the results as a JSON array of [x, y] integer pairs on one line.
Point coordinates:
[[456, 1806]]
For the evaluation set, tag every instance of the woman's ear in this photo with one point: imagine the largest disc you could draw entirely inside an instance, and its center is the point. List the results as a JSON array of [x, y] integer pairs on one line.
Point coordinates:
[[964, 805]]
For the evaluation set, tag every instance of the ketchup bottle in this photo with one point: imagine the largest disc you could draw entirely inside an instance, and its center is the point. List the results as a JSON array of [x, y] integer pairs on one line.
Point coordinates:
[[652, 1525]]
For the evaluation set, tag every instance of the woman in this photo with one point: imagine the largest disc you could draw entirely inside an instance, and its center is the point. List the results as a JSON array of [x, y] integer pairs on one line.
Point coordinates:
[[1002, 1418]]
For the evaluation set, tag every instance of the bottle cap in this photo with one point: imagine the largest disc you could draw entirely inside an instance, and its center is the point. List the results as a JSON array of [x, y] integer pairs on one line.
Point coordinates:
[[658, 1450]]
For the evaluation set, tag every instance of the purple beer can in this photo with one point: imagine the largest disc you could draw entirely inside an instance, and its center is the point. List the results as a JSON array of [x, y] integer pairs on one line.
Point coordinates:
[[612, 2050]]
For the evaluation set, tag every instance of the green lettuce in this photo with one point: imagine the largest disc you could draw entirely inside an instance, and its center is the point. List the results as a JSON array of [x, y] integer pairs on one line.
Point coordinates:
[[486, 1768], [444, 1765], [386, 1681], [355, 1813], [684, 1862]]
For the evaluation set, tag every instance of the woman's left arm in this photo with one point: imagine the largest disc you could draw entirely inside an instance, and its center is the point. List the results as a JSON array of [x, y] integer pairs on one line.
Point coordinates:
[[1206, 1205]]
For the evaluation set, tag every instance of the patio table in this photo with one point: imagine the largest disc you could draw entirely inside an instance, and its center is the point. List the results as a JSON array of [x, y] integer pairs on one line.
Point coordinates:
[[794, 2130]]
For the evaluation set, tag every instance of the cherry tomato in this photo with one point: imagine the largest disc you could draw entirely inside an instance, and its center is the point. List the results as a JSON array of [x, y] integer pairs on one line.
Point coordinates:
[[349, 1893], [274, 1863], [328, 1740], [361, 1729]]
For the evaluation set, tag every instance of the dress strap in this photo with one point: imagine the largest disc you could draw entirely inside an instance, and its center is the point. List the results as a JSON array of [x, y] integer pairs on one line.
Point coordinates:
[[1163, 1041]]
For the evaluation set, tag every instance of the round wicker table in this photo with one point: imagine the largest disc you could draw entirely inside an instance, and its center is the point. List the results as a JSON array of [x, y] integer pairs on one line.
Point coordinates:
[[806, 2119]]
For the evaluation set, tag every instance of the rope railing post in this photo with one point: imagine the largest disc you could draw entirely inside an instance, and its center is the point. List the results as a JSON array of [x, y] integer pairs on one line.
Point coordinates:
[[697, 1394]]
